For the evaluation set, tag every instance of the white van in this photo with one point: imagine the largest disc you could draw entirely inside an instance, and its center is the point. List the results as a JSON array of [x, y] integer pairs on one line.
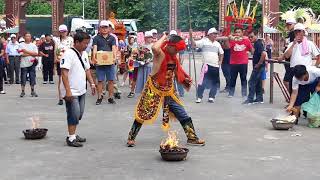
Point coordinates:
[[130, 24]]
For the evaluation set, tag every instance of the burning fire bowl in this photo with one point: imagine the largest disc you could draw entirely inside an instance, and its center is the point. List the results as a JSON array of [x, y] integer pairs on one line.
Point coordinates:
[[174, 154], [37, 133]]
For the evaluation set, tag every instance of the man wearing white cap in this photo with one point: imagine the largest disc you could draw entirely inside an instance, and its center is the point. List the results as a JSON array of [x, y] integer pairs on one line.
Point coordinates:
[[301, 50], [213, 57], [290, 22], [154, 35], [104, 41], [14, 59]]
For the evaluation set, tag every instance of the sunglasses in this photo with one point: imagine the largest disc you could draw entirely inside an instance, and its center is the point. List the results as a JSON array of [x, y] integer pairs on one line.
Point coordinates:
[[298, 31]]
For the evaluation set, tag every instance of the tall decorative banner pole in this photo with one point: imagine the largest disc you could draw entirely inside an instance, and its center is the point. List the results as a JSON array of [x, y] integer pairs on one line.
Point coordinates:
[[173, 15], [57, 15], [102, 10], [222, 12]]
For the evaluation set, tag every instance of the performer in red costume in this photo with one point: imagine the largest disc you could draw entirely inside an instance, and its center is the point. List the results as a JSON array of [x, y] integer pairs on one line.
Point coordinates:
[[159, 91]]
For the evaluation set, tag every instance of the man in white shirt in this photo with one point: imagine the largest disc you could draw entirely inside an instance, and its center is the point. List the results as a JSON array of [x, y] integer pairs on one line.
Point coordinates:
[[301, 50], [213, 56], [14, 59], [28, 64], [75, 69], [304, 82]]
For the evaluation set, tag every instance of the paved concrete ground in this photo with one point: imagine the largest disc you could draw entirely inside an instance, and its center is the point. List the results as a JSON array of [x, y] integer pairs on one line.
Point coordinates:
[[241, 144]]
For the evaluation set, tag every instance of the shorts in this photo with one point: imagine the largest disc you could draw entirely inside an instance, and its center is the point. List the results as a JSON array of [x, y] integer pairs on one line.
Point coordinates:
[[304, 92], [58, 69], [32, 75], [75, 109], [288, 75], [264, 74], [135, 74], [106, 73]]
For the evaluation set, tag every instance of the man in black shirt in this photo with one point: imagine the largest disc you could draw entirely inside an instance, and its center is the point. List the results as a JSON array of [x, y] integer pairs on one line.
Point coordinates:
[[255, 82], [46, 50], [104, 41]]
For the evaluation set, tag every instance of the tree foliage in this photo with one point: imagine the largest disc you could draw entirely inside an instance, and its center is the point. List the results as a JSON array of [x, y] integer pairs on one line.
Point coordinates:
[[155, 13]]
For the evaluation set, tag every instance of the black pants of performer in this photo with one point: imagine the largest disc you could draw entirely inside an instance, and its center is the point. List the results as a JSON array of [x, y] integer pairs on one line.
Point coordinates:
[[236, 69], [14, 69], [47, 69], [179, 113]]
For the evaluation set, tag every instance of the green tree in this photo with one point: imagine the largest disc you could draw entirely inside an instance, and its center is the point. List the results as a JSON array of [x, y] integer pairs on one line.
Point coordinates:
[[155, 13]]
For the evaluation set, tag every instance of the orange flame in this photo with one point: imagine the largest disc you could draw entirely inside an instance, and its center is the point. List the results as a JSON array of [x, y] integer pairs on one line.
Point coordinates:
[[171, 141]]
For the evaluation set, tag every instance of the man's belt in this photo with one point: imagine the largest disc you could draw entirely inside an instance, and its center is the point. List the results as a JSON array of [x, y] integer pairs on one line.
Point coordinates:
[[13, 56]]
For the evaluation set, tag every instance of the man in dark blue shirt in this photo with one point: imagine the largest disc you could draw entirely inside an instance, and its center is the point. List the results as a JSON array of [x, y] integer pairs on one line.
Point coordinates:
[[258, 62], [104, 41]]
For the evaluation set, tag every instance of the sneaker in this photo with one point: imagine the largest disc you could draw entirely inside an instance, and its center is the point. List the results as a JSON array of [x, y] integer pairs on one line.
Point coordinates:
[[117, 95], [6, 82], [131, 143], [80, 139], [230, 96], [111, 101], [2, 92], [17, 82], [258, 102], [45, 82], [74, 143], [99, 101], [60, 102], [211, 100], [34, 94], [224, 91], [131, 95], [22, 94], [198, 100], [247, 102], [196, 142], [51, 82]]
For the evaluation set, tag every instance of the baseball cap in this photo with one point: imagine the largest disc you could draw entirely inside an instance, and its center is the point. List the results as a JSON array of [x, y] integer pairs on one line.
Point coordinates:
[[148, 34], [63, 28], [212, 31], [106, 23], [291, 21], [21, 40], [37, 39], [154, 31], [299, 26], [42, 36], [13, 36], [173, 32]]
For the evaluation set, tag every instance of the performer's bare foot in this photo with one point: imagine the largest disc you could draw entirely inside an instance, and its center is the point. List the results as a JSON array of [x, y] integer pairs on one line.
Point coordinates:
[[131, 143], [196, 142]]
